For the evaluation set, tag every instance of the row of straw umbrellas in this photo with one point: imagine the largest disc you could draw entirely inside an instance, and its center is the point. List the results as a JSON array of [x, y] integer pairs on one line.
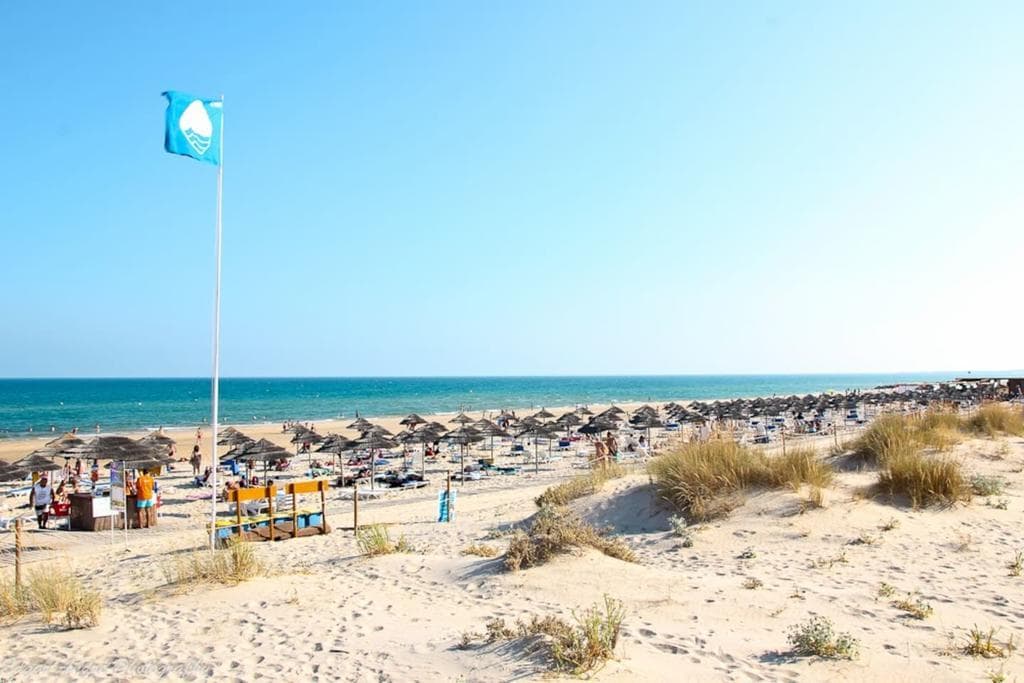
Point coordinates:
[[151, 451], [955, 393], [464, 432]]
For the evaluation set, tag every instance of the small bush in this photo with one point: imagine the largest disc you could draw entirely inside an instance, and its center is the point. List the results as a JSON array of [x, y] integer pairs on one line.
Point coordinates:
[[496, 629], [681, 529], [577, 648], [886, 590], [924, 480], [555, 531], [817, 638], [915, 607], [581, 486], [983, 644], [987, 486], [994, 419], [231, 565], [480, 550], [752, 583], [1016, 567], [374, 540], [829, 562], [893, 523], [592, 642]]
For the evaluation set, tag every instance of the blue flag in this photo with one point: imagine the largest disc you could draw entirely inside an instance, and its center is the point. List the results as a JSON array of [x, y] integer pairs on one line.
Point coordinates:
[[193, 127]]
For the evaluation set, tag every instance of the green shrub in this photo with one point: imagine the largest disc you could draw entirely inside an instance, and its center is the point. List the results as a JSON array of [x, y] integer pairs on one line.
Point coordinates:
[[987, 486], [817, 638], [983, 644], [578, 648]]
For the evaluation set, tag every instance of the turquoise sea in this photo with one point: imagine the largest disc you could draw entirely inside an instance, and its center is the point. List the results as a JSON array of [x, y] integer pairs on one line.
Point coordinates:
[[36, 405]]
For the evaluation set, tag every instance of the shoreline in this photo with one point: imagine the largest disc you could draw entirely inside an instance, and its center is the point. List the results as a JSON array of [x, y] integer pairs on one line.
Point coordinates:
[[141, 405]]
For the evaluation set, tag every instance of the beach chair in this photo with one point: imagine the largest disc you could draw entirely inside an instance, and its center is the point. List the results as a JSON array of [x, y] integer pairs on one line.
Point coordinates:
[[61, 512]]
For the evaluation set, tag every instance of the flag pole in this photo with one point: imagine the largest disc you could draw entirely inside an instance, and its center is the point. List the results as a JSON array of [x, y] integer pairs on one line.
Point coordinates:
[[215, 380]]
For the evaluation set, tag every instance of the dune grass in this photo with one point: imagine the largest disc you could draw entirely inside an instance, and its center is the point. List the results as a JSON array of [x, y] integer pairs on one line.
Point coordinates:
[[993, 419], [578, 487], [924, 479], [887, 437], [374, 540], [705, 480], [56, 595], [896, 445], [554, 531], [232, 565]]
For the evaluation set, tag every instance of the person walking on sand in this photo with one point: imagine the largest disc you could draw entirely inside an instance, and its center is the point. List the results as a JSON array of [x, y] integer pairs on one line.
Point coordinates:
[[612, 445], [144, 489], [196, 460], [40, 499]]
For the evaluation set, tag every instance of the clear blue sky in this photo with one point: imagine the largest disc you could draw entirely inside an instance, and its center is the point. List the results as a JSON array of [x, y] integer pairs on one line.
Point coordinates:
[[515, 188]]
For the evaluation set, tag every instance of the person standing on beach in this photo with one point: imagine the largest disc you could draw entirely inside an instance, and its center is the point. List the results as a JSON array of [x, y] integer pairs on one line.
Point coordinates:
[[612, 445], [196, 460], [40, 499], [144, 488]]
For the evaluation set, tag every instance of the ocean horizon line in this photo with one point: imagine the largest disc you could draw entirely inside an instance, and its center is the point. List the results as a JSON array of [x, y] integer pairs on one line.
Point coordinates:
[[857, 373]]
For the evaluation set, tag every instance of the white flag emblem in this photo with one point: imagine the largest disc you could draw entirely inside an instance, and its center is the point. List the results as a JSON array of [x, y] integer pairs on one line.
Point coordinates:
[[196, 126]]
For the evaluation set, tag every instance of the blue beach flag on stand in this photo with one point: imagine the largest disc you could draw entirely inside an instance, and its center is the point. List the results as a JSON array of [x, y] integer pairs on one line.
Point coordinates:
[[193, 127]]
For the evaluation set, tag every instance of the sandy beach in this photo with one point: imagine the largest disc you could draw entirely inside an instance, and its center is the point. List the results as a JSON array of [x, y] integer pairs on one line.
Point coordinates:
[[719, 610]]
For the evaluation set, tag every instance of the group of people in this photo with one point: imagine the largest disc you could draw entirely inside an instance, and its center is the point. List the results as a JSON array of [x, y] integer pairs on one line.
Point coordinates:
[[43, 497]]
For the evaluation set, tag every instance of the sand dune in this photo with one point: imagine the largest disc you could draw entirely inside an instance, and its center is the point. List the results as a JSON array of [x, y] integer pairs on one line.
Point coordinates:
[[326, 612]]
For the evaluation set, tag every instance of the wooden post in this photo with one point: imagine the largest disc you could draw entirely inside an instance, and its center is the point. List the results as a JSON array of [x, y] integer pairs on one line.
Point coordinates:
[[270, 509], [238, 519], [782, 430], [295, 514], [323, 505], [17, 553], [355, 508]]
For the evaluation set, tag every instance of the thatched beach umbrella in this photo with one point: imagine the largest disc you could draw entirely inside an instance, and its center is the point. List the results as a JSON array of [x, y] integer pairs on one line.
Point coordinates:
[[461, 419], [542, 414], [537, 431], [12, 473], [235, 438], [264, 451], [412, 420], [372, 440], [359, 424]]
